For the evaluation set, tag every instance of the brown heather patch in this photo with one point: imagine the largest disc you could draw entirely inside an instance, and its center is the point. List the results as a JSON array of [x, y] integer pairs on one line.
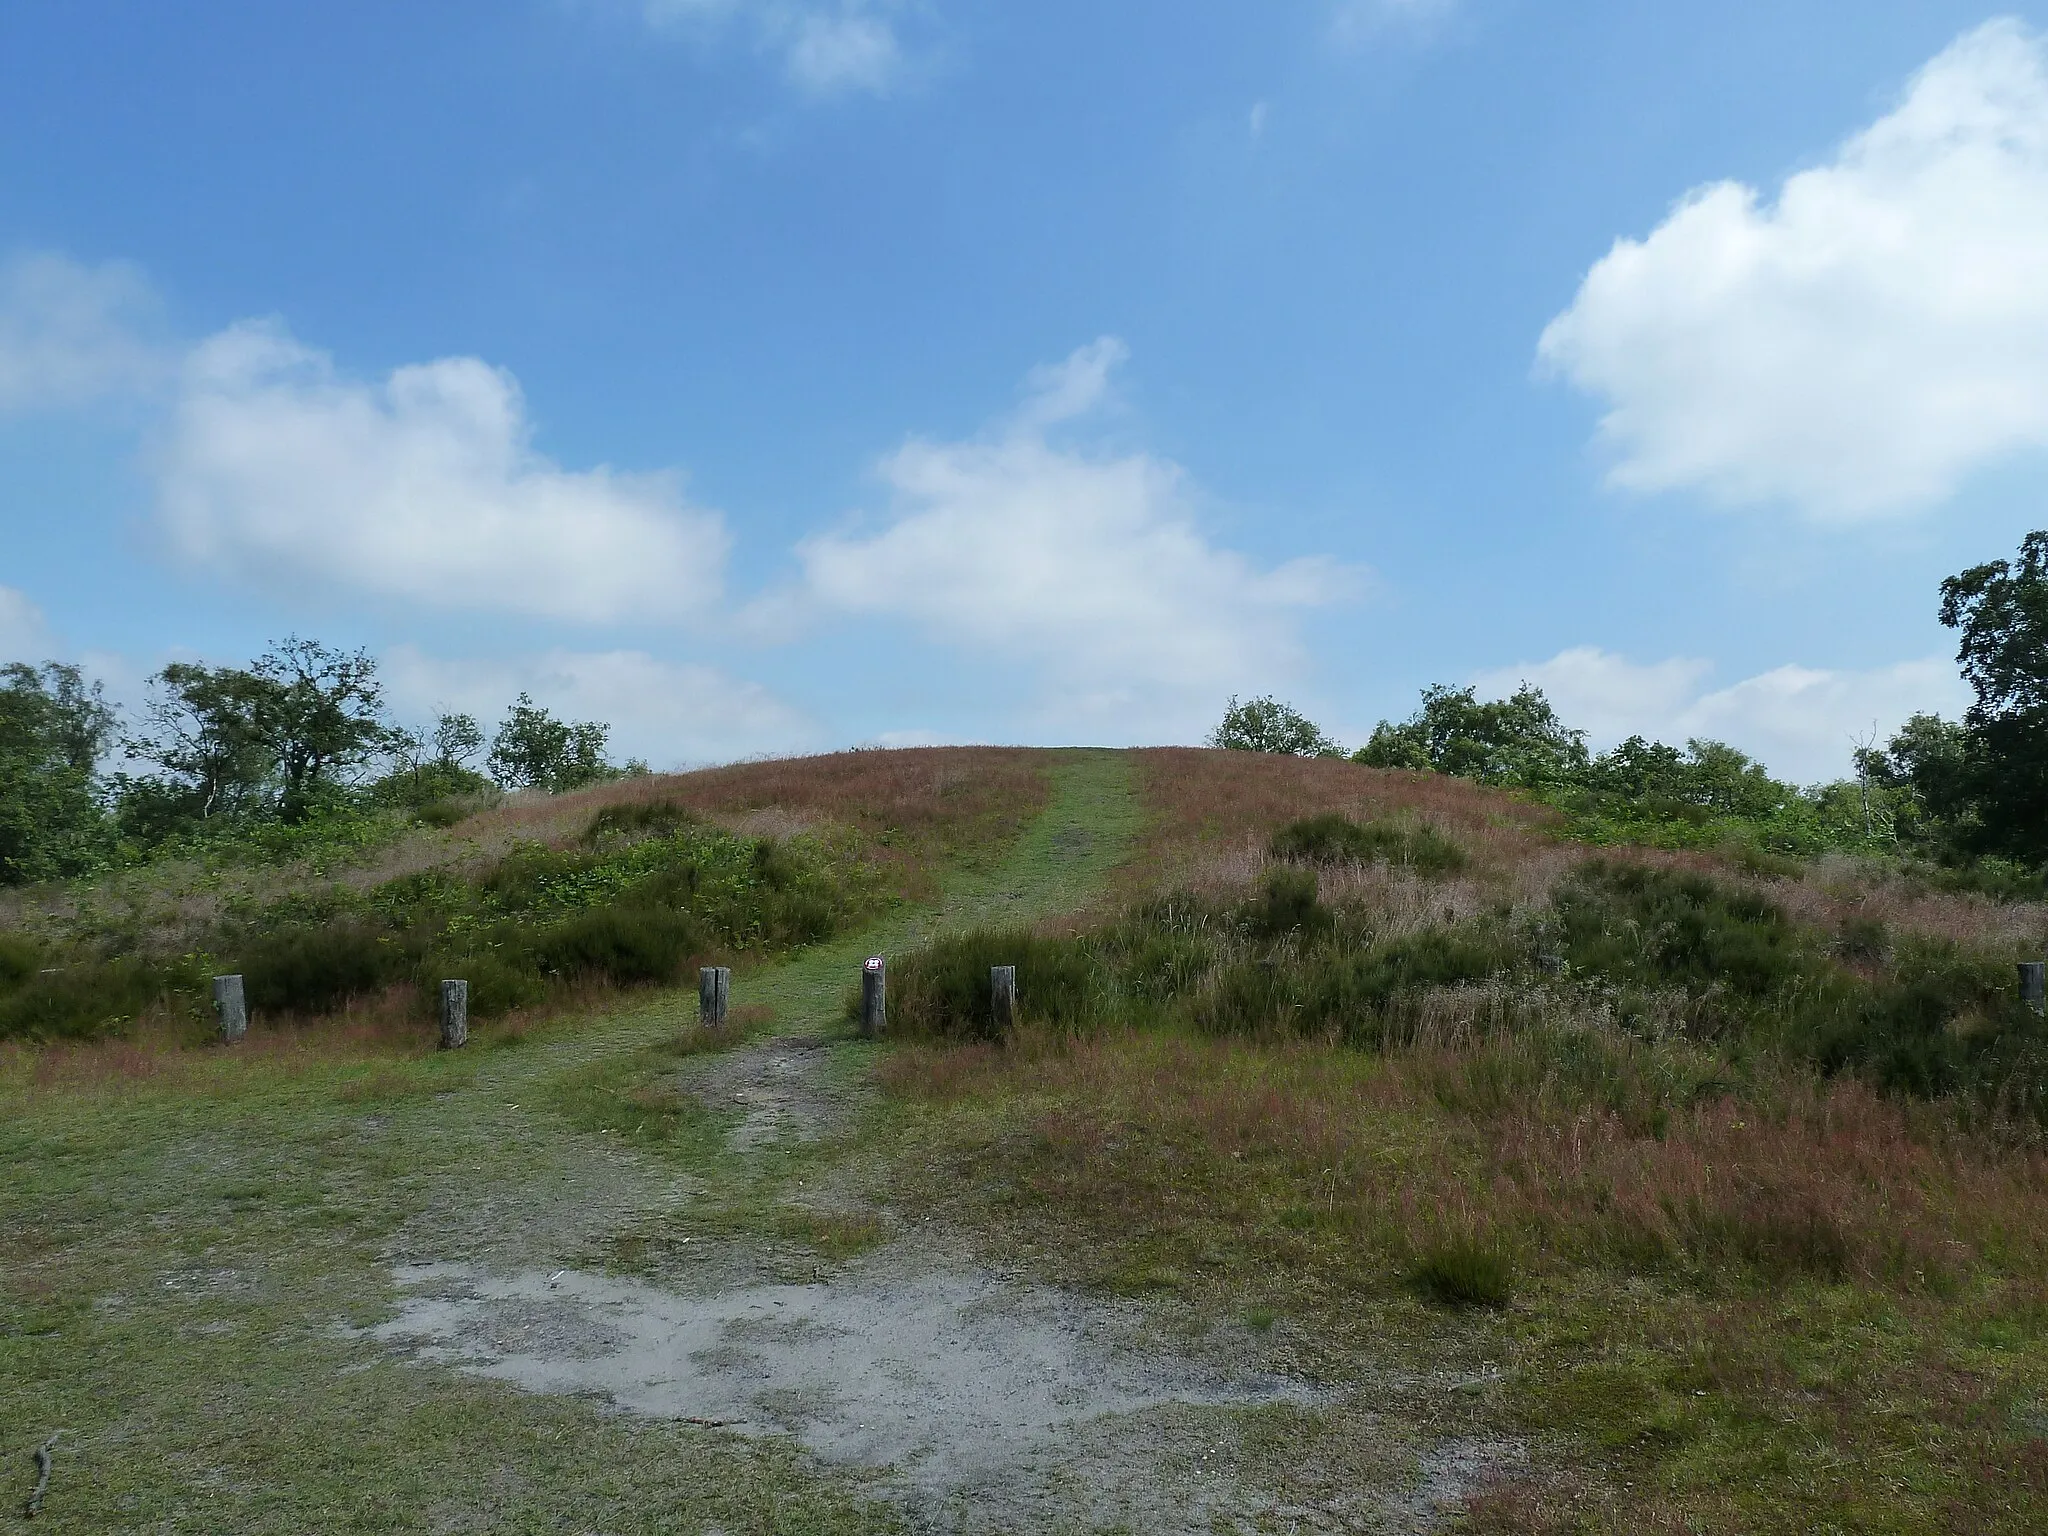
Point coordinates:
[[1203, 802], [1212, 813]]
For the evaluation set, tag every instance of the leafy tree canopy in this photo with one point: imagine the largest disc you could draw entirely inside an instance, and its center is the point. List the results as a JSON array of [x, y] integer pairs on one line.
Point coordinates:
[[1518, 741], [534, 750], [271, 738], [53, 728], [1266, 725]]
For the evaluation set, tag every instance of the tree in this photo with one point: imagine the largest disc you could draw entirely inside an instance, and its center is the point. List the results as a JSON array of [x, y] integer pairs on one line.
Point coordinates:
[[2000, 610], [432, 765], [323, 717], [54, 726], [271, 739], [1708, 776], [534, 750], [1516, 741], [1267, 725], [457, 739]]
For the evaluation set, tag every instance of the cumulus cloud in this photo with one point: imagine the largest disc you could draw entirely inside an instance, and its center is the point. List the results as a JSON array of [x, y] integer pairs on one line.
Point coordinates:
[[1858, 346], [1089, 567], [1803, 722], [670, 714], [24, 636], [72, 334], [827, 49], [423, 487]]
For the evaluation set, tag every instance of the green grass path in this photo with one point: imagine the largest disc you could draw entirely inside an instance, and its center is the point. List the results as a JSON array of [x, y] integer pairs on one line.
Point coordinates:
[[1058, 865]]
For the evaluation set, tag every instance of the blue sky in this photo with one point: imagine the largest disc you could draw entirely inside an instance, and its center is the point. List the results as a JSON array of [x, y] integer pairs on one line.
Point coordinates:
[[767, 375]]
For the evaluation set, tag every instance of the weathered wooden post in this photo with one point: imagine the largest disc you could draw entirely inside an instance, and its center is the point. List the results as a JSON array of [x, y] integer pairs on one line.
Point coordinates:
[[714, 993], [1002, 988], [231, 1008], [874, 997], [2034, 984], [454, 1014]]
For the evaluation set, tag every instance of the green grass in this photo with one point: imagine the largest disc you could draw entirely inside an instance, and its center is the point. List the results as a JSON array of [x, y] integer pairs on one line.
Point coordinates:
[[183, 1257]]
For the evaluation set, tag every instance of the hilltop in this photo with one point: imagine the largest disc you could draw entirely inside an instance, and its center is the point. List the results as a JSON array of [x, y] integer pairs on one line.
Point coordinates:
[[1367, 1154]]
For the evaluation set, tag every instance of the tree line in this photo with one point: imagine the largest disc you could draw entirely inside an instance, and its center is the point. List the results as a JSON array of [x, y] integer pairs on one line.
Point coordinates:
[[1971, 794], [298, 737]]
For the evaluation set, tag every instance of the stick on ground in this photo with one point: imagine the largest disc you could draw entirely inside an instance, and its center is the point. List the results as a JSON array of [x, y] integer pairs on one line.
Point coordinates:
[[34, 1506]]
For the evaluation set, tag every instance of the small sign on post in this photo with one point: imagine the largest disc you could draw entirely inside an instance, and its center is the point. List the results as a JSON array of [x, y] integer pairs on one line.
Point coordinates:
[[2034, 984], [454, 1014], [231, 1008], [1002, 989], [874, 997], [714, 993]]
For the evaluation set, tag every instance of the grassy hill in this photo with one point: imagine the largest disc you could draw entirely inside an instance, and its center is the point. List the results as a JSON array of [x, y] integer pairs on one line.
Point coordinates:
[[1365, 1156]]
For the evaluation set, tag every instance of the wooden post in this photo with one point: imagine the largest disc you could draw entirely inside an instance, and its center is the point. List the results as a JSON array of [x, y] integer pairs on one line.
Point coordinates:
[[231, 1008], [714, 993], [2034, 984], [1002, 988], [874, 997], [454, 1014]]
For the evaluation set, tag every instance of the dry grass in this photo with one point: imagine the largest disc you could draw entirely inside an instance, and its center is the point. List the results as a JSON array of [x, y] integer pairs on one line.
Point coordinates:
[[1746, 1314], [1800, 1175], [1212, 813], [915, 806]]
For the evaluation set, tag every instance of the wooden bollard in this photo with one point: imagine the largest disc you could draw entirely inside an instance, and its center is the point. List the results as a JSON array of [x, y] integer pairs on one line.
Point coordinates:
[[2034, 985], [454, 1014], [1002, 991], [874, 997], [231, 1007], [714, 993]]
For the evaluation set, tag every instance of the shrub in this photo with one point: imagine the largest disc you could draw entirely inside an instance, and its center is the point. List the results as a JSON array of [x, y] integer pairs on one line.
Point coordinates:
[[1464, 1272], [943, 991], [498, 982], [1653, 928], [19, 960], [317, 969], [653, 818], [90, 997], [1333, 839], [619, 944], [1287, 903]]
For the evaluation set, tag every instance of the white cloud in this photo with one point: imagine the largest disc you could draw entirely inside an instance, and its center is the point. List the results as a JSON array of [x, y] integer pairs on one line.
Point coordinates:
[[424, 487], [24, 636], [1357, 21], [827, 49], [668, 713], [1089, 568], [1864, 343], [71, 334], [1803, 722]]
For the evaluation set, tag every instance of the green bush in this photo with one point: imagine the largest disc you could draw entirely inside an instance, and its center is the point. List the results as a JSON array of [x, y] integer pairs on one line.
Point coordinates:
[[498, 983], [1464, 1272], [88, 997], [1286, 904], [19, 960], [943, 992], [1334, 839], [620, 944], [311, 970], [1654, 928], [653, 818]]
